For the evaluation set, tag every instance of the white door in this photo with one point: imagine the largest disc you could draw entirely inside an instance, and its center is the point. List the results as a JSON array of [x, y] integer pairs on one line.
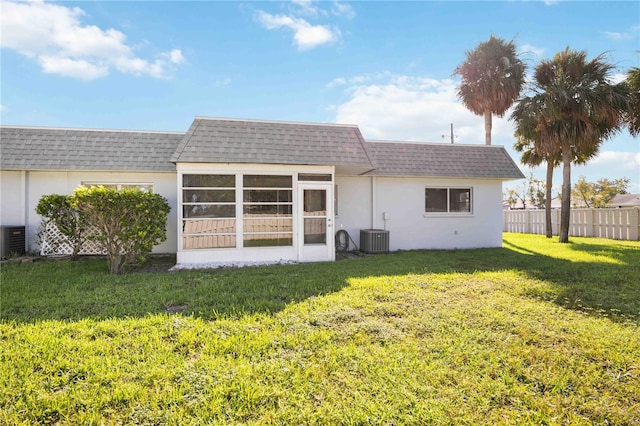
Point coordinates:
[[315, 223]]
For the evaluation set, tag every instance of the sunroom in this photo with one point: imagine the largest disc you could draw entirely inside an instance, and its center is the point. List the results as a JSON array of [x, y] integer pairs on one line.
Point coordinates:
[[252, 192]]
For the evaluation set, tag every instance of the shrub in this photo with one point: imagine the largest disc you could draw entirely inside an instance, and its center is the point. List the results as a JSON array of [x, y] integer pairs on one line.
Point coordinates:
[[59, 210], [129, 222]]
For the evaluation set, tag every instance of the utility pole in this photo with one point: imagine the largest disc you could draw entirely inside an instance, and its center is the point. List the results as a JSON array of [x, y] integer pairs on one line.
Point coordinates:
[[452, 136]]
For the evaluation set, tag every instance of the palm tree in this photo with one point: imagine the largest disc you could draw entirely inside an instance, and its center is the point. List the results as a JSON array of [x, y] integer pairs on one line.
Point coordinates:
[[532, 157], [528, 143], [492, 78], [633, 115], [573, 109]]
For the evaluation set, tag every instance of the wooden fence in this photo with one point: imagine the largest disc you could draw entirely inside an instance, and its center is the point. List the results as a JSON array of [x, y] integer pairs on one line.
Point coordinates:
[[617, 224]]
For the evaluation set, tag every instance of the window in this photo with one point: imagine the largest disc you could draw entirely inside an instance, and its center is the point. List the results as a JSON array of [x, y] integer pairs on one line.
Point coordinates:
[[314, 177], [447, 200], [208, 211], [144, 187], [267, 210]]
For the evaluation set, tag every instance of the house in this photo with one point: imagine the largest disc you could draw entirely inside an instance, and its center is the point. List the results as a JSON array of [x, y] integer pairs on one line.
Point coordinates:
[[625, 200], [256, 191]]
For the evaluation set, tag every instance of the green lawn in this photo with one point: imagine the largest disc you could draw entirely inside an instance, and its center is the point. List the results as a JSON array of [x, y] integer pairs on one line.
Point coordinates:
[[535, 332]]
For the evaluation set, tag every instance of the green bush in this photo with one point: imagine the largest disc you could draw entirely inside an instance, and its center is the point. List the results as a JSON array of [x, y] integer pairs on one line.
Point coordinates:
[[59, 210], [129, 222]]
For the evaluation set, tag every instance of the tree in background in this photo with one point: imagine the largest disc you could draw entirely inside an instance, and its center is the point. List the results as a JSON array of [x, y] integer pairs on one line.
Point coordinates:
[[632, 118], [492, 79], [129, 221], [532, 188], [600, 193], [573, 109], [536, 191]]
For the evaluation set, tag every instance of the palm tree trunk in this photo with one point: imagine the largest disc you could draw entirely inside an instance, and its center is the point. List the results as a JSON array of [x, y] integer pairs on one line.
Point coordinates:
[[547, 200], [487, 127], [565, 212]]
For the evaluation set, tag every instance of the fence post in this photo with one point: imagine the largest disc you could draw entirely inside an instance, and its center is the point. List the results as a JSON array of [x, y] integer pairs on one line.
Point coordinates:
[[633, 224]]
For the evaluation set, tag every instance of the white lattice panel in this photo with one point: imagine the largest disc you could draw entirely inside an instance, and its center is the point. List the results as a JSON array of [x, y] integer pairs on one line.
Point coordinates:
[[55, 243]]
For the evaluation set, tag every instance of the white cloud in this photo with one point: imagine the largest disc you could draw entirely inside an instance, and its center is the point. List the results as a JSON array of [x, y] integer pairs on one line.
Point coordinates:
[[632, 33], [223, 82], [622, 161], [618, 77], [306, 36], [415, 109], [340, 81], [76, 68], [343, 9], [175, 56], [3, 108], [357, 80], [529, 49], [55, 38], [305, 7], [615, 36]]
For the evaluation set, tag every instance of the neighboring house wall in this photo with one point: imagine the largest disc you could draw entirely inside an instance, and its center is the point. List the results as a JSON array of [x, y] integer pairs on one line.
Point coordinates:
[[35, 184], [403, 199]]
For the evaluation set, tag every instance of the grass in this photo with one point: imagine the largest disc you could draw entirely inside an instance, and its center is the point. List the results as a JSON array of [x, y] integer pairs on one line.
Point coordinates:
[[535, 332]]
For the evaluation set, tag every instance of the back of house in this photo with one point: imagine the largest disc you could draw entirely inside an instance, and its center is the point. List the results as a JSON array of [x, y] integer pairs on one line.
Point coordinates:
[[256, 191]]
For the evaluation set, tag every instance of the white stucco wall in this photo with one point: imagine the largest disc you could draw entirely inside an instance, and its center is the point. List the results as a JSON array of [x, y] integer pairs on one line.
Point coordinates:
[[12, 198], [363, 200], [21, 192], [361, 203]]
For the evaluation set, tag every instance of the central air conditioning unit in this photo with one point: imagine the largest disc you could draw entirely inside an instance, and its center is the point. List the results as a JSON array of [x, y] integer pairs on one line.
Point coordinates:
[[374, 241], [12, 241]]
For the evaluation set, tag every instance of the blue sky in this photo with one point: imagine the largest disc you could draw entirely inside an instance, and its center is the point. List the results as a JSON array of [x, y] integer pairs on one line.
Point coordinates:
[[386, 66]]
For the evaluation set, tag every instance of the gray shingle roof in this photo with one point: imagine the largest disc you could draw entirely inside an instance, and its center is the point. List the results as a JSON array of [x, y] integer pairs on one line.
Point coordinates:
[[42, 148], [442, 160], [246, 141], [252, 141]]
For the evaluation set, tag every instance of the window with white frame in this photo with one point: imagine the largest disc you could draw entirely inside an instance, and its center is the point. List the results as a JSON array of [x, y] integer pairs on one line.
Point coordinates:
[[208, 211], [447, 200]]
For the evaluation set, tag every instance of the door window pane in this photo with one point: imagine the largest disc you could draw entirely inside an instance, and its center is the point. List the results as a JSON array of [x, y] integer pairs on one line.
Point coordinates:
[[315, 230], [315, 202]]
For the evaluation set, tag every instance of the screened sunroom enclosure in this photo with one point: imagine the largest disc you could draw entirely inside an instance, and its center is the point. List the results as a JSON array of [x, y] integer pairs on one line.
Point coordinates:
[[234, 214]]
